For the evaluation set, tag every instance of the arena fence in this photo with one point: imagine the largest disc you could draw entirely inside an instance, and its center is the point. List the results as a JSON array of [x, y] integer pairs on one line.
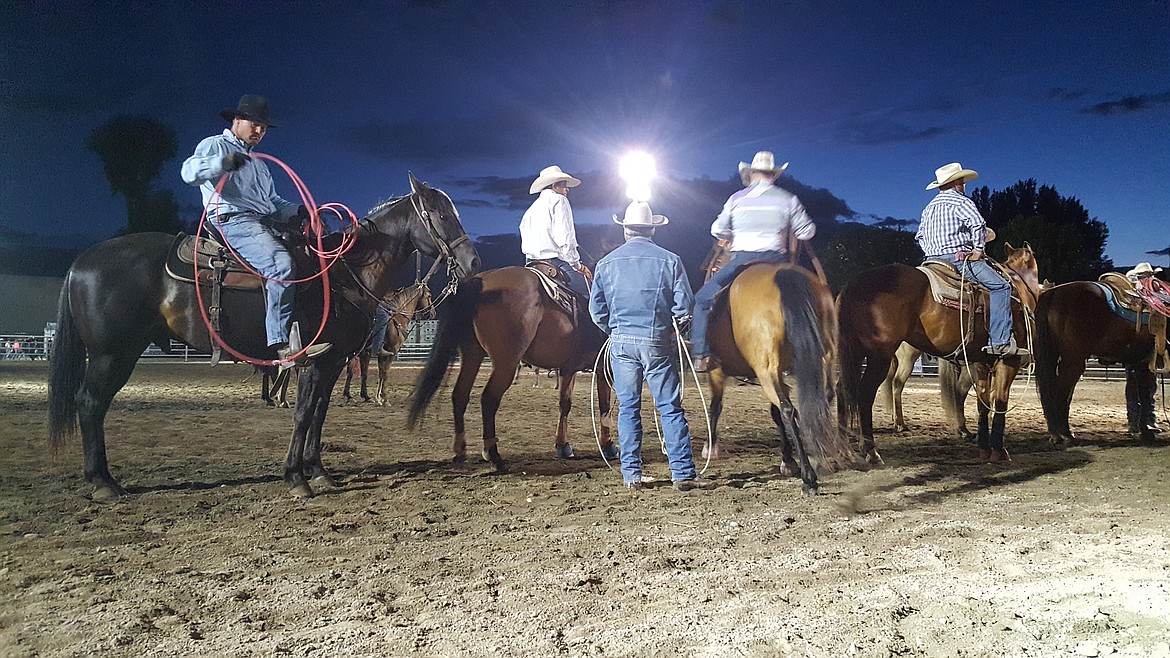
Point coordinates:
[[416, 348]]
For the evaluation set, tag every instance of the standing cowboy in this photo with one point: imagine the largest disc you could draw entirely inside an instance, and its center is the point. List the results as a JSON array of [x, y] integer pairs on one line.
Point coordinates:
[[547, 231], [1140, 382], [639, 292], [246, 210], [757, 221], [953, 230]]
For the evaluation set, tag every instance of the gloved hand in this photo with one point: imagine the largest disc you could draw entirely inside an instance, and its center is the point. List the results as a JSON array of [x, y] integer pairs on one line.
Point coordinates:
[[299, 220], [585, 271], [234, 160]]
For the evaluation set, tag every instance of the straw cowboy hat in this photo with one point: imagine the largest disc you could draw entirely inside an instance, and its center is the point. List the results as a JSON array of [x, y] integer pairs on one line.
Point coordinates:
[[638, 213], [988, 234], [1142, 269], [251, 107], [765, 162], [950, 172], [550, 175]]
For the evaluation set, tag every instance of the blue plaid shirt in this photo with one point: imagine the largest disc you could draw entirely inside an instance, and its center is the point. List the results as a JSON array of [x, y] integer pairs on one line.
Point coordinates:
[[950, 223]]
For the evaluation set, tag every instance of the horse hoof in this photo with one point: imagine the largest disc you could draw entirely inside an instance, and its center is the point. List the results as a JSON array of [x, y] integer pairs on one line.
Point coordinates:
[[968, 437], [323, 482], [985, 454], [1000, 455], [564, 451], [459, 460], [808, 491], [301, 491], [107, 494], [712, 453], [610, 452], [874, 458], [789, 469]]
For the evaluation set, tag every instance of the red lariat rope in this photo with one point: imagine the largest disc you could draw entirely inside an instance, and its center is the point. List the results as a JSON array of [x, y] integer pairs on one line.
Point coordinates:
[[1154, 292], [326, 258]]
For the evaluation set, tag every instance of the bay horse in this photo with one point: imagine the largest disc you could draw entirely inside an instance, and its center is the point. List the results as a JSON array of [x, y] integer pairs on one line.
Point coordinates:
[[117, 299], [954, 385], [506, 315], [407, 306], [1074, 322], [885, 306], [777, 323]]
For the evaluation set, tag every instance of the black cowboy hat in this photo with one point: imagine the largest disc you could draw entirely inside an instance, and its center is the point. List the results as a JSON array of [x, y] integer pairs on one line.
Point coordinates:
[[251, 107]]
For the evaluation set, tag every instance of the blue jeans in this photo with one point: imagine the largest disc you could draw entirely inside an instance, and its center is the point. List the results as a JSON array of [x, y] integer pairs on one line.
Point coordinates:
[[577, 280], [705, 298], [378, 332], [258, 245], [634, 363], [999, 301]]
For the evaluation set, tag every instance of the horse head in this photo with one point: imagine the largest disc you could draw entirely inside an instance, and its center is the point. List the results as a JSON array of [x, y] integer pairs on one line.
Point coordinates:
[[424, 306], [438, 232], [1021, 263]]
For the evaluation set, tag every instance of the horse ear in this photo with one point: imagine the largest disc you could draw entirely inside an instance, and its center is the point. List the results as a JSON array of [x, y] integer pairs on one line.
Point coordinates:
[[1008, 248], [416, 185]]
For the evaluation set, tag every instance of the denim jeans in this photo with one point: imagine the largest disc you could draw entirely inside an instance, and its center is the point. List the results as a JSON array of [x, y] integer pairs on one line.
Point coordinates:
[[632, 364], [999, 301], [258, 245], [576, 280], [705, 298], [378, 331]]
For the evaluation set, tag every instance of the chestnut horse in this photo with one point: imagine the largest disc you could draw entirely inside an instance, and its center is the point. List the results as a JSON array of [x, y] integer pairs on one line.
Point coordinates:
[[777, 323], [117, 299], [1074, 322], [884, 306], [408, 305], [506, 315]]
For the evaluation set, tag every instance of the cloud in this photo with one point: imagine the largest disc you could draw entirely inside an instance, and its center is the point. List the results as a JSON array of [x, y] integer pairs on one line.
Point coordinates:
[[883, 130], [1128, 104]]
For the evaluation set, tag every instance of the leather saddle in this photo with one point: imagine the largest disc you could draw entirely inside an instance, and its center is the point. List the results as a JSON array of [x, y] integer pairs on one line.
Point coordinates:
[[949, 288], [216, 264], [1128, 305], [556, 286], [1123, 292]]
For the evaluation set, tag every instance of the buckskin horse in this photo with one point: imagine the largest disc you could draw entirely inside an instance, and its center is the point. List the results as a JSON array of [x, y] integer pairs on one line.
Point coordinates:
[[777, 323], [117, 299], [1076, 321], [884, 306], [505, 314], [954, 384], [407, 305]]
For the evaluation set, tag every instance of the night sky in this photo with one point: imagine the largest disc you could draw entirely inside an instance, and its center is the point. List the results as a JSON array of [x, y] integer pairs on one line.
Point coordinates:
[[865, 99]]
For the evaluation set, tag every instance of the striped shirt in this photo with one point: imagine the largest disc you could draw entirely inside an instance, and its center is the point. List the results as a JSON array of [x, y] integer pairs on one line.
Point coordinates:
[[757, 218], [950, 223]]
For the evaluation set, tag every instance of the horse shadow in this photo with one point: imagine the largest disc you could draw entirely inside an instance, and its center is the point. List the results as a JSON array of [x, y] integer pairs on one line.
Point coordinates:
[[197, 486]]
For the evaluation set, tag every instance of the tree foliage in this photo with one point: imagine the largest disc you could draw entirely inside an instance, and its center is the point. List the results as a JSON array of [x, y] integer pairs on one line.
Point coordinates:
[[133, 150], [1069, 244]]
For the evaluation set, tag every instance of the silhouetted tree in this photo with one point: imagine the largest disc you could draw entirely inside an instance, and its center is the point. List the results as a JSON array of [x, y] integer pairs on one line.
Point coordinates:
[[853, 248], [1069, 244], [133, 150]]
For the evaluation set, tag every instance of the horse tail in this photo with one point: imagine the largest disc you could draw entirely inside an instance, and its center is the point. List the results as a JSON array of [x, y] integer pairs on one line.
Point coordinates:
[[811, 349], [66, 370], [455, 324]]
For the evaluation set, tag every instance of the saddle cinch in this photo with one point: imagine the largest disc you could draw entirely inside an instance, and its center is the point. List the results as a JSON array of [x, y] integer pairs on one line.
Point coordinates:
[[556, 286], [1128, 305]]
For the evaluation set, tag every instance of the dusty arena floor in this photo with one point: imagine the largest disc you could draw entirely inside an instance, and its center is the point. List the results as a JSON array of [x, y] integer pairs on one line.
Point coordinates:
[[935, 554]]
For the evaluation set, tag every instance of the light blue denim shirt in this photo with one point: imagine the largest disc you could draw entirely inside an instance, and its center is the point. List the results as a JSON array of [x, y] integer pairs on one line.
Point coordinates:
[[248, 190], [638, 289]]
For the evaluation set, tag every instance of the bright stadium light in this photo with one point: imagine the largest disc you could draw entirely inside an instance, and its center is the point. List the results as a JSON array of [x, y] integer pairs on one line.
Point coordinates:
[[638, 169]]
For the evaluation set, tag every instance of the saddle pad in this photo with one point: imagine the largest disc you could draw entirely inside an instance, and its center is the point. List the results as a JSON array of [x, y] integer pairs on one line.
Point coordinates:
[[1123, 293], [1123, 311], [181, 264], [557, 292], [944, 287]]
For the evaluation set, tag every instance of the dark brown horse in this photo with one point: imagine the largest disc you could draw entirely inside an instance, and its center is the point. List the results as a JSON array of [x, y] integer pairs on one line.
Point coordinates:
[[1073, 323], [506, 315], [884, 306], [408, 305], [778, 319], [117, 299]]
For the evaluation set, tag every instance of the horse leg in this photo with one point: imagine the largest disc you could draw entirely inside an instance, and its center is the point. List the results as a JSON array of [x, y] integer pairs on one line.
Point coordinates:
[[493, 392], [788, 465], [605, 416], [954, 384], [808, 474], [1068, 373], [105, 375], [565, 390], [875, 372], [460, 395], [313, 469], [1002, 378], [717, 383], [345, 394], [383, 374], [283, 378], [984, 397], [364, 362], [267, 382]]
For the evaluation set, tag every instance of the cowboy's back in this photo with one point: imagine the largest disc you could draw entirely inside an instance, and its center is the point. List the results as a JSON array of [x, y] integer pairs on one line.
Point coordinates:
[[638, 289], [758, 217]]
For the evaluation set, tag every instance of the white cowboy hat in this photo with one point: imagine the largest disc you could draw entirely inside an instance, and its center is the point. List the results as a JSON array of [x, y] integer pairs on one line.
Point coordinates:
[[988, 234], [638, 213], [764, 161], [1142, 269], [550, 175], [950, 172]]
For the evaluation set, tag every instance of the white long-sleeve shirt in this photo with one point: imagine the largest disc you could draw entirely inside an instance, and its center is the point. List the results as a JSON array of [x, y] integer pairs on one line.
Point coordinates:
[[547, 230], [758, 218]]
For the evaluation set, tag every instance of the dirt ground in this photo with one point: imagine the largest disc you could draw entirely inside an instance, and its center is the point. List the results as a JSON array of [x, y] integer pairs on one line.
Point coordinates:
[[934, 554]]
